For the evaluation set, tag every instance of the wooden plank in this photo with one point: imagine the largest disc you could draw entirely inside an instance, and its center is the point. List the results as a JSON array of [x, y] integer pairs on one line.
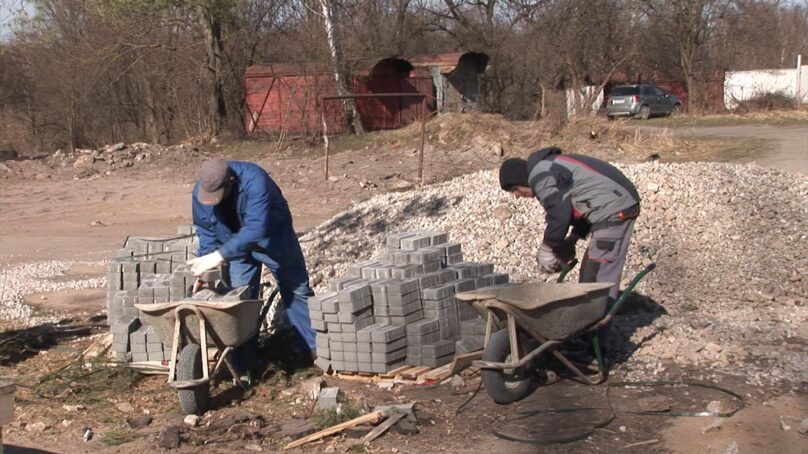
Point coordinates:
[[440, 373], [382, 428], [413, 373], [396, 371], [463, 361], [372, 418]]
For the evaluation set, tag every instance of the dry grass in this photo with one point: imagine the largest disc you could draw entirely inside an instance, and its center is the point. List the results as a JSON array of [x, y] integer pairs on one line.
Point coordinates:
[[776, 117]]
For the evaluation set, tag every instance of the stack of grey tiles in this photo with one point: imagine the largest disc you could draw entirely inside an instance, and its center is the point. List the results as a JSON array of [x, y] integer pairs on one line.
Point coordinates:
[[121, 331], [146, 345], [398, 308], [472, 335]]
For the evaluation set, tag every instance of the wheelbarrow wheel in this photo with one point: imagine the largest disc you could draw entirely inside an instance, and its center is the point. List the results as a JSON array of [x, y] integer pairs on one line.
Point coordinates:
[[193, 401], [509, 385]]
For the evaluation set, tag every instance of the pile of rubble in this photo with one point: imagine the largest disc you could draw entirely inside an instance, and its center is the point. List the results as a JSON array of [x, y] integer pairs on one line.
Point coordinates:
[[729, 241]]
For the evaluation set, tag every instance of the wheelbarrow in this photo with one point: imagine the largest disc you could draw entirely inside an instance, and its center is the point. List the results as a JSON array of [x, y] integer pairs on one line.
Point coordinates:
[[189, 326], [528, 320]]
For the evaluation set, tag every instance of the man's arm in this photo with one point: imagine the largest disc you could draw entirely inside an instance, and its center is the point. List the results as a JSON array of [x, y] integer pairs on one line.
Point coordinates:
[[256, 219], [207, 239], [557, 208]]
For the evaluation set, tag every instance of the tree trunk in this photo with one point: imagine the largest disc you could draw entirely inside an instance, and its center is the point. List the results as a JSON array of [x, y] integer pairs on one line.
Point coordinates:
[[331, 23], [212, 32]]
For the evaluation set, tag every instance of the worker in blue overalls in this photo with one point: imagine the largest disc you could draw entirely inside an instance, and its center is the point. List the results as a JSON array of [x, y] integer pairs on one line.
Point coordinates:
[[242, 219]]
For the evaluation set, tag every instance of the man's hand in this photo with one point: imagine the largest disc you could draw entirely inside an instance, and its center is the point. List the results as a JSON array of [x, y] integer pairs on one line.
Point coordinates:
[[207, 262], [566, 252], [548, 262]]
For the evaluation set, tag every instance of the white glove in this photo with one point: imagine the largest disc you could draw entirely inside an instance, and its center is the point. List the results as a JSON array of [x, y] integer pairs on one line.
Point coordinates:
[[207, 262], [548, 262]]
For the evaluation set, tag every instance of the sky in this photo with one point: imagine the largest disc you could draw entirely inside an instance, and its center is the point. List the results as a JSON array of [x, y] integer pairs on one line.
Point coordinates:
[[10, 10]]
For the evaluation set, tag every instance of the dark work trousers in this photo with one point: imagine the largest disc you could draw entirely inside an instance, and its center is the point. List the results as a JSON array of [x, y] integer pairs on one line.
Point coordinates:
[[604, 259]]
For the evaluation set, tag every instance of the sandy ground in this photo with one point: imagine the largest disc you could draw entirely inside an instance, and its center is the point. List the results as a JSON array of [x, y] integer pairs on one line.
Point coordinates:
[[88, 219]]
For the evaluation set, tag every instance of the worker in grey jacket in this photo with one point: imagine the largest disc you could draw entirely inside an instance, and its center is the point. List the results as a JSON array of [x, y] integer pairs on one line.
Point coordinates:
[[580, 195]]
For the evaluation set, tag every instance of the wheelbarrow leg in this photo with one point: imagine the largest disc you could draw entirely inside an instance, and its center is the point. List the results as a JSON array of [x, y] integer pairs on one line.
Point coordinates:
[[175, 351], [234, 372], [513, 334], [203, 342]]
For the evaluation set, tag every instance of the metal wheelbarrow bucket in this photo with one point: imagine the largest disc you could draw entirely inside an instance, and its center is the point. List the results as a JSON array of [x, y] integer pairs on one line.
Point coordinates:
[[189, 326], [519, 316]]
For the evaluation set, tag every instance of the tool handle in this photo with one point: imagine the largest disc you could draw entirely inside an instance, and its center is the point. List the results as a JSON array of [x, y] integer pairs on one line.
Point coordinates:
[[630, 288], [566, 269]]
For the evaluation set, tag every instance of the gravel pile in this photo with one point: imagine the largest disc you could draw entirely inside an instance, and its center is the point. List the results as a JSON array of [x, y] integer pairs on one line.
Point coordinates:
[[729, 294], [17, 282]]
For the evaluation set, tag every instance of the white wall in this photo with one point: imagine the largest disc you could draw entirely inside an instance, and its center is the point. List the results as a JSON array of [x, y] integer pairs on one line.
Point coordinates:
[[744, 85], [576, 101]]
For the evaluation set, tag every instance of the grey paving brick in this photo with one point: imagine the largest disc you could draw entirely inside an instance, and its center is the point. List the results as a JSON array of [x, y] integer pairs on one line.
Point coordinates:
[[389, 357], [499, 278], [438, 292], [138, 336], [435, 236], [453, 248], [428, 280], [321, 341], [338, 365], [137, 348], [139, 356], [154, 347], [436, 362], [403, 300], [415, 316], [439, 348], [422, 327], [431, 267], [454, 259], [484, 268], [484, 281], [330, 306], [331, 318], [237, 294], [161, 295], [337, 355], [363, 323], [338, 283], [333, 327], [125, 326], [469, 344], [325, 354], [362, 366], [394, 240], [413, 360], [406, 309], [414, 242], [384, 347], [347, 317], [353, 293], [406, 271], [387, 333], [157, 356], [319, 325], [315, 314], [350, 356], [130, 267], [379, 310], [464, 285], [384, 272], [335, 346], [122, 347], [323, 363], [475, 326], [401, 286], [422, 256], [447, 275], [365, 334], [382, 319], [363, 347]]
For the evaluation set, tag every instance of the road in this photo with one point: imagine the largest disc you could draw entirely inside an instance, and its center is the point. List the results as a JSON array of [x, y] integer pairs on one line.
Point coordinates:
[[791, 155]]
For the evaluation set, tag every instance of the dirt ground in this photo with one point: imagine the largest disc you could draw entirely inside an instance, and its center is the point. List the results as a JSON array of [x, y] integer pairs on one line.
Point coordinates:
[[57, 212]]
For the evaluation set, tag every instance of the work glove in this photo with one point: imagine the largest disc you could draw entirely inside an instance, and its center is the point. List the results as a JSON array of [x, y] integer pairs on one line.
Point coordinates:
[[547, 260], [207, 262]]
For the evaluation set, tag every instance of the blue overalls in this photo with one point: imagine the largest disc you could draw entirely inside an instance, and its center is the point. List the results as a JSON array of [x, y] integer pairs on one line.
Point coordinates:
[[265, 236]]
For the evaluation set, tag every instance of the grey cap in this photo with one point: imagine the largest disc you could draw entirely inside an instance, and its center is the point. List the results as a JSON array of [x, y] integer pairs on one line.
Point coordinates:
[[213, 176]]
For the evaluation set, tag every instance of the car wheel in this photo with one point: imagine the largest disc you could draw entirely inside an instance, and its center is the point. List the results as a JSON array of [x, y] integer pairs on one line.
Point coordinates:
[[644, 113], [676, 111]]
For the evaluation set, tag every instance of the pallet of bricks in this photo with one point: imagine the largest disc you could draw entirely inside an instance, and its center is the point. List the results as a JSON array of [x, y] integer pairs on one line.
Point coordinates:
[[400, 309], [146, 271]]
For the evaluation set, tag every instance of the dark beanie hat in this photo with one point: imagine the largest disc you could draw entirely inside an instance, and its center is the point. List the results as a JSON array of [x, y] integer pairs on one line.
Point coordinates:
[[513, 172]]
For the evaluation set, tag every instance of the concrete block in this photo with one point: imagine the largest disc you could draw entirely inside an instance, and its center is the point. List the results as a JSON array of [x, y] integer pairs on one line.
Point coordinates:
[[484, 268], [354, 292], [333, 327], [130, 267], [384, 272], [363, 347], [365, 334], [436, 362], [428, 280], [454, 259], [474, 326], [158, 356], [405, 271], [403, 300], [335, 346], [137, 348], [394, 240], [140, 356], [364, 366], [349, 347], [119, 345], [328, 398], [413, 360], [347, 317], [351, 366], [414, 242], [379, 309], [384, 347], [138, 336], [435, 237], [337, 355], [440, 348], [364, 322], [382, 319], [447, 275], [315, 314], [389, 357], [338, 283], [125, 326], [484, 281], [464, 285], [468, 344], [350, 355], [349, 337], [321, 341], [431, 267], [422, 256], [453, 248], [154, 347], [335, 337], [329, 306], [237, 294], [406, 309], [499, 278], [401, 286], [161, 295], [318, 325], [356, 307], [323, 363], [388, 333], [338, 365], [331, 318], [407, 319], [438, 292], [422, 327], [162, 266]]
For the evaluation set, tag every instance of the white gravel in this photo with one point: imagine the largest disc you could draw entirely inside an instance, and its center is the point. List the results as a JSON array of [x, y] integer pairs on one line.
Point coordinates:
[[16, 282], [730, 242]]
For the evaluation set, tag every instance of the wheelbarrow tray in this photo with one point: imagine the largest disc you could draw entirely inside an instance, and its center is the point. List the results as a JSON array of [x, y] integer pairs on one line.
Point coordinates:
[[230, 323], [556, 311]]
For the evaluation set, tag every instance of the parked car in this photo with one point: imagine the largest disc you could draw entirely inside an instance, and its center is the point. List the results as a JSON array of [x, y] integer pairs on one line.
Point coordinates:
[[641, 101]]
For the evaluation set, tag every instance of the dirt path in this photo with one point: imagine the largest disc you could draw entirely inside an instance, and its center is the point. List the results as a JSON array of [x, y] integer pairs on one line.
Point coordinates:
[[791, 154]]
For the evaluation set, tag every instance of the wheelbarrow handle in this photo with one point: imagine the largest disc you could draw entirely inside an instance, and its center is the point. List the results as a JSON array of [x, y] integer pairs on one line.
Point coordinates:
[[566, 269], [630, 288]]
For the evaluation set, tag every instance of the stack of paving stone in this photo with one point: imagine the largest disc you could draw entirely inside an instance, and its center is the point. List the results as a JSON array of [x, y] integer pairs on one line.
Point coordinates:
[[146, 271], [399, 308]]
